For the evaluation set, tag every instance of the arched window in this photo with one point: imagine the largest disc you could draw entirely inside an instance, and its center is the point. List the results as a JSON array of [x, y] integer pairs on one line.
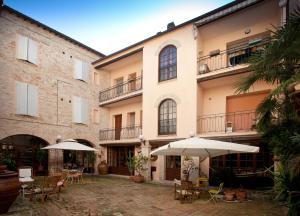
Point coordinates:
[[168, 63], [167, 117]]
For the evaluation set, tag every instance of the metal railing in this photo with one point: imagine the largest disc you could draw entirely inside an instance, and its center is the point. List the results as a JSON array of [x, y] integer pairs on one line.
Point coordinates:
[[121, 89], [227, 58], [128, 132], [227, 122]]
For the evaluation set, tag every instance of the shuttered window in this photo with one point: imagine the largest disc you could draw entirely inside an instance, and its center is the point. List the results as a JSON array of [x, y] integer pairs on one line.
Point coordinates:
[[27, 49], [26, 99], [81, 70], [80, 110]]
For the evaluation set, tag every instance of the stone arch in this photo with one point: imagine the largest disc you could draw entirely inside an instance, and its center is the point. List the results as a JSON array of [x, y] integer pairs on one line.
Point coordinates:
[[24, 149], [175, 43], [167, 96]]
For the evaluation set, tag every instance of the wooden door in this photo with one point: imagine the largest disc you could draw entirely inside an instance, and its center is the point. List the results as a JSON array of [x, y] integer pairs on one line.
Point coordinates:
[[117, 158], [118, 126], [173, 167]]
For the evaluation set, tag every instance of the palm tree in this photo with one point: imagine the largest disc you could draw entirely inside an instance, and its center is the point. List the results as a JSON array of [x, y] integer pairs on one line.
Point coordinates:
[[279, 64]]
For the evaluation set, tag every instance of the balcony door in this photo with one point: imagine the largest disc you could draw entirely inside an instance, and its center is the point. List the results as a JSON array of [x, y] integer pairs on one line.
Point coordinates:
[[132, 82], [118, 126], [119, 86], [241, 110]]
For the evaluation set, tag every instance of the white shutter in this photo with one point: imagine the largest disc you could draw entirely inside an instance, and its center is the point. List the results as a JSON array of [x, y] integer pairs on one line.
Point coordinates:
[[32, 100], [76, 109], [85, 71], [21, 98], [84, 111], [22, 47], [32, 51], [78, 69]]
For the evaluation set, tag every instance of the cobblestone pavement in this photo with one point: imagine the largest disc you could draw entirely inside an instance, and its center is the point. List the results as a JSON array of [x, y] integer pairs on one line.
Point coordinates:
[[120, 197]]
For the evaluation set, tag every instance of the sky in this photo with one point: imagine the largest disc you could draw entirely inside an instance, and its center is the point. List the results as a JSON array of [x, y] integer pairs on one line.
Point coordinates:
[[110, 25]]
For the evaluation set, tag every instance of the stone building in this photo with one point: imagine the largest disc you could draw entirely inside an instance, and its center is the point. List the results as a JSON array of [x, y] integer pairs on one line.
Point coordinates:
[[48, 88]]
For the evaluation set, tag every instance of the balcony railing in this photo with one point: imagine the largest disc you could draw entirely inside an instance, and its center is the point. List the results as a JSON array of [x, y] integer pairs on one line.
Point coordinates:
[[227, 58], [129, 132], [121, 89], [227, 122]]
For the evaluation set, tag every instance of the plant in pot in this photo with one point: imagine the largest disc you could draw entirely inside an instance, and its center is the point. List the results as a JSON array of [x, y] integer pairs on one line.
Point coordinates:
[[103, 168], [9, 161], [130, 164], [188, 166], [41, 155], [139, 167], [91, 161]]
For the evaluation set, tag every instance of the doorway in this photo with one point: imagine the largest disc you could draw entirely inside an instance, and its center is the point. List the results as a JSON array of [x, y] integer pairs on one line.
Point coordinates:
[[173, 167], [117, 158], [118, 126]]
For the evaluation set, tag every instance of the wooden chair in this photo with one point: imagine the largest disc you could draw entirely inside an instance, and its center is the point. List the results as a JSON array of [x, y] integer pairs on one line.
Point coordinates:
[[184, 191], [214, 192], [52, 186]]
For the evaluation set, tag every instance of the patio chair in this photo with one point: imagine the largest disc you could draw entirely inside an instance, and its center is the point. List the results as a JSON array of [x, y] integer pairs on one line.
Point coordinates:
[[214, 192], [25, 176], [52, 186]]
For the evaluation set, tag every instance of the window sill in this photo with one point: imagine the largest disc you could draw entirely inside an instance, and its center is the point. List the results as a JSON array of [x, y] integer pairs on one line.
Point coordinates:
[[168, 80]]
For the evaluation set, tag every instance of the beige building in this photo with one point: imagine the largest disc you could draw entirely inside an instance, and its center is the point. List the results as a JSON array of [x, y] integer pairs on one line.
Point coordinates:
[[177, 83], [180, 82]]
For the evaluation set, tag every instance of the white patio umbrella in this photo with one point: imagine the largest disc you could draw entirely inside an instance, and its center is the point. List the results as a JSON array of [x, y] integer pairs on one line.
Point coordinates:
[[203, 148], [70, 144]]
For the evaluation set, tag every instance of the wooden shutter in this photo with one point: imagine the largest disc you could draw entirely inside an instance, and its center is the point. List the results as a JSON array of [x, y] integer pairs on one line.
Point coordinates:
[[32, 100], [76, 109], [78, 69], [85, 71], [32, 51], [84, 111], [22, 47], [21, 98]]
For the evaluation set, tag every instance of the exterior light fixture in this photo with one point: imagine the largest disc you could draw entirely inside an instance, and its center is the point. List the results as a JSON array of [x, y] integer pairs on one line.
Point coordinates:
[[142, 139]]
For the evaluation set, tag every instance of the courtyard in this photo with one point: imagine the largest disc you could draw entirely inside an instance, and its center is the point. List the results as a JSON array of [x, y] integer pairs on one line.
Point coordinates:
[[117, 196]]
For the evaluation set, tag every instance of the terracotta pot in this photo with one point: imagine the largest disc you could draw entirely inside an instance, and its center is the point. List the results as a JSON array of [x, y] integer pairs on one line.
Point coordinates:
[[241, 195], [229, 195], [138, 178], [2, 168], [9, 189], [102, 168]]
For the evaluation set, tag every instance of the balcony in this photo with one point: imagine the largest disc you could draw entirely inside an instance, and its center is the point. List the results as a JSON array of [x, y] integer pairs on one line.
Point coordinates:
[[221, 61], [130, 132], [120, 91], [244, 121]]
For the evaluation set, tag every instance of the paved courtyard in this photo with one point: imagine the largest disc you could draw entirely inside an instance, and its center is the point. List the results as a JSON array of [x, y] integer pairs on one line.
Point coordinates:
[[112, 196]]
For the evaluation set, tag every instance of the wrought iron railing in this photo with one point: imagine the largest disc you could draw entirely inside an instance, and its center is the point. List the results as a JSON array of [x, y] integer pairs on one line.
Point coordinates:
[[227, 58], [128, 132], [227, 122], [121, 89]]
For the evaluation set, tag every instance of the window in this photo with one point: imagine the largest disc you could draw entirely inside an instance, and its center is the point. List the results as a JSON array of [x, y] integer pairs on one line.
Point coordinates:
[[131, 119], [26, 49], [96, 78], [81, 70], [96, 117], [167, 117], [27, 99], [80, 110], [119, 84], [168, 63]]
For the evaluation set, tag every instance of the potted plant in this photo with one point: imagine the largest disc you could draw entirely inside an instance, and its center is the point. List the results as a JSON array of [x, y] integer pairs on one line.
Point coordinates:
[[91, 156], [9, 161], [130, 164], [41, 156], [189, 165], [139, 167], [241, 194]]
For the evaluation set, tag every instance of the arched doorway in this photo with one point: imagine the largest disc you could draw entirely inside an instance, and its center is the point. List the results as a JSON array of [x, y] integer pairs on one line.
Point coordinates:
[[80, 159], [25, 150]]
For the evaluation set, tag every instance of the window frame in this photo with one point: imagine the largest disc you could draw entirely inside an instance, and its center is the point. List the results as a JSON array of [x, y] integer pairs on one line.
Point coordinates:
[[168, 66], [168, 132]]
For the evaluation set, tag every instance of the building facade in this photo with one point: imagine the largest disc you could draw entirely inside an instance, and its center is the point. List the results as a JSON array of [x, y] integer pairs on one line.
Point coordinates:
[[170, 86]]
